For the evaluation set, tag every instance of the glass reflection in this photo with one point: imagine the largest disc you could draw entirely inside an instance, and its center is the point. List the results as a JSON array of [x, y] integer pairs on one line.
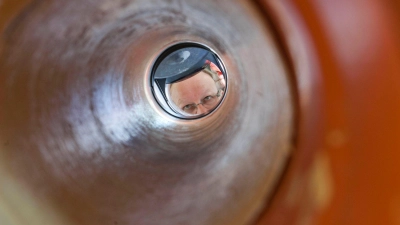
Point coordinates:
[[199, 93], [189, 81]]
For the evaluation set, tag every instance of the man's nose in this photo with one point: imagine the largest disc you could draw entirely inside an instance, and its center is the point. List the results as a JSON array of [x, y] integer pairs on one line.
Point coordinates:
[[201, 109]]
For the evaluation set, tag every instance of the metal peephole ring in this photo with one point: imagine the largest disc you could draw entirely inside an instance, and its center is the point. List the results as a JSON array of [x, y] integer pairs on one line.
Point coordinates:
[[189, 80]]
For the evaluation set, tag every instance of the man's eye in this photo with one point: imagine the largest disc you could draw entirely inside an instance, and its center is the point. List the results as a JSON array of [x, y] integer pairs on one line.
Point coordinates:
[[186, 107], [208, 97]]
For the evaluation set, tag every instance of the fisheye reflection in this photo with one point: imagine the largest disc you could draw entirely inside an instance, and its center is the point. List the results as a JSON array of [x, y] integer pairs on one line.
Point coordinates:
[[189, 82], [199, 93]]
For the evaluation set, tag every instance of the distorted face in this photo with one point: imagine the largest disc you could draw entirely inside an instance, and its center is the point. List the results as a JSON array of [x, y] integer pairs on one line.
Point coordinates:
[[195, 95]]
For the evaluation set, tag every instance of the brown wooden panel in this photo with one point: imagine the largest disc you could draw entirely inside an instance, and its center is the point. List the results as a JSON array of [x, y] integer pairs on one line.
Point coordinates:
[[344, 170]]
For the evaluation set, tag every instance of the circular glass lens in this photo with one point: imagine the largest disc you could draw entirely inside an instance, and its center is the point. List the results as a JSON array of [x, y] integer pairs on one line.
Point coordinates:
[[189, 80]]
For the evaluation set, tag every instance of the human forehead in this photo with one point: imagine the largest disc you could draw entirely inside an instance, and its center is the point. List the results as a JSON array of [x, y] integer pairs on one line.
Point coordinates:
[[194, 88], [201, 79]]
